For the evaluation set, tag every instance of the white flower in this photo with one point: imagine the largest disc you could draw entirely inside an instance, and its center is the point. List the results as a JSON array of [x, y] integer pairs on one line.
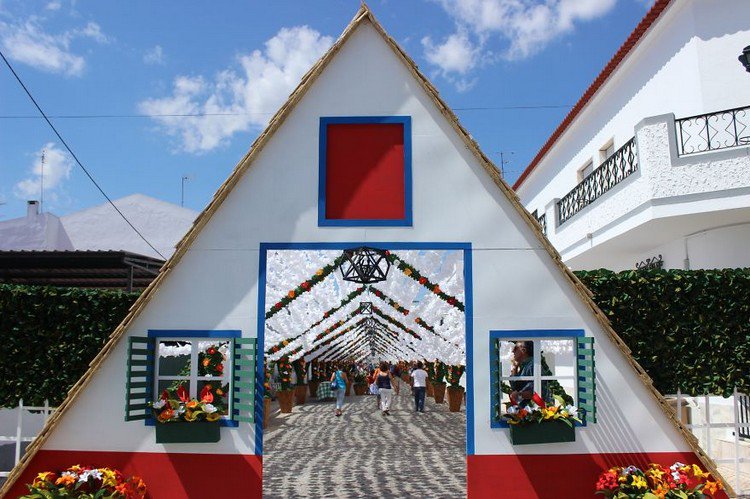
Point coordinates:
[[676, 476], [572, 410], [676, 466], [513, 409], [69, 473], [159, 404], [209, 408], [181, 409], [90, 473]]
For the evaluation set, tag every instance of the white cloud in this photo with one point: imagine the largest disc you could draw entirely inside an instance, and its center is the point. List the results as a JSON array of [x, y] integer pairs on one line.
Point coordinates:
[[456, 55], [524, 27], [54, 5], [154, 55], [57, 168], [27, 42], [250, 92]]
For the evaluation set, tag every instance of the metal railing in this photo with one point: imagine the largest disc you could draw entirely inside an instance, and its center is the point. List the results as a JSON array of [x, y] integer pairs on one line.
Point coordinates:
[[542, 221], [713, 131], [699, 415], [614, 170], [19, 438]]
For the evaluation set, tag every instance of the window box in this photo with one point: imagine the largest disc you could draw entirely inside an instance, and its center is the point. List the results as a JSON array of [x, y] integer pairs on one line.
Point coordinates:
[[188, 432], [542, 433]]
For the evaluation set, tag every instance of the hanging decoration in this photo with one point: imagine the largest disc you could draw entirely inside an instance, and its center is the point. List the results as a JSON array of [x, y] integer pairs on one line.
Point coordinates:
[[422, 323], [351, 296], [364, 265], [365, 308], [393, 321], [390, 301], [412, 272], [304, 287]]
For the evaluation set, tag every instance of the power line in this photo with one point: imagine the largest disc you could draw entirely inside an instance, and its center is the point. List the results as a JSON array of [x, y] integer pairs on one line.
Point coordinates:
[[76, 157], [202, 115]]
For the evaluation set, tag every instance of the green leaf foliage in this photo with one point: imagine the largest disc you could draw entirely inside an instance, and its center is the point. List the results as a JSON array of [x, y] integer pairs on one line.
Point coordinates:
[[689, 329], [49, 336]]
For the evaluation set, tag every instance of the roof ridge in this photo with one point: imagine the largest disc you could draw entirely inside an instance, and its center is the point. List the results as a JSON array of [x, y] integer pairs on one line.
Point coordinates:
[[635, 36]]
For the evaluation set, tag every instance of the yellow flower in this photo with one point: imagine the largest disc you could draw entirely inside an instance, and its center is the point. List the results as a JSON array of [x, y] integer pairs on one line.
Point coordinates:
[[639, 482], [407, 271], [108, 477], [66, 480], [192, 404], [698, 472], [319, 272], [213, 416]]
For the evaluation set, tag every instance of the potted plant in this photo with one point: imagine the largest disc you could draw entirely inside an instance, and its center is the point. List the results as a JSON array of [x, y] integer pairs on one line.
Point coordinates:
[[679, 481], [86, 482], [300, 390], [438, 382], [360, 383], [455, 390], [181, 419], [539, 423], [266, 395], [315, 378], [285, 393]]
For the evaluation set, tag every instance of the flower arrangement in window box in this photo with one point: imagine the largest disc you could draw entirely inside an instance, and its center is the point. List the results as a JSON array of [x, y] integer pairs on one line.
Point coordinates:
[[540, 423], [681, 481], [88, 482], [181, 419]]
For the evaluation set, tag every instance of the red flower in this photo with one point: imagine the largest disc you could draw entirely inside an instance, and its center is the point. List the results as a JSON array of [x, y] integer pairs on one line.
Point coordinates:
[[211, 351], [451, 301], [277, 306], [305, 285], [183, 394], [538, 400], [206, 395], [422, 280]]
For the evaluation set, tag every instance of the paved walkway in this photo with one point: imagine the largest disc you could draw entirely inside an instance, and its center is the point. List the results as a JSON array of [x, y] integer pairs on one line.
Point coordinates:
[[312, 453]]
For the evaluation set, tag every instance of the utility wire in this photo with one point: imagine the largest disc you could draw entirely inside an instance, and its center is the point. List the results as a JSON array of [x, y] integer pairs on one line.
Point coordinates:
[[200, 115], [75, 157]]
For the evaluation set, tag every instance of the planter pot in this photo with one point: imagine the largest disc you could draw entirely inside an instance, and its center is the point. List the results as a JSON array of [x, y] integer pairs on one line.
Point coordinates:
[[266, 411], [285, 398], [360, 388], [348, 388], [430, 392], [542, 433], [455, 397], [187, 433], [439, 391], [300, 394], [313, 386]]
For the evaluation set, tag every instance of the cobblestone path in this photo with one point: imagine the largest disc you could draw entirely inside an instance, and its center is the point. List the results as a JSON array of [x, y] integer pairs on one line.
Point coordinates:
[[312, 453]]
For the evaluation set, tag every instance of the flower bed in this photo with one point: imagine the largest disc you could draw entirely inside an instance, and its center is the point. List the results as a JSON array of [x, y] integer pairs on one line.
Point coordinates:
[[678, 481], [88, 482]]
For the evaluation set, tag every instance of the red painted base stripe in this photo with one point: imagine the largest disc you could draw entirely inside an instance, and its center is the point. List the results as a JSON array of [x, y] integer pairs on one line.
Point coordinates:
[[170, 476], [570, 476]]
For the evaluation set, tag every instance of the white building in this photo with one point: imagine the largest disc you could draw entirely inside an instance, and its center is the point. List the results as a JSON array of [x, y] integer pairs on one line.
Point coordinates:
[[101, 228], [652, 163]]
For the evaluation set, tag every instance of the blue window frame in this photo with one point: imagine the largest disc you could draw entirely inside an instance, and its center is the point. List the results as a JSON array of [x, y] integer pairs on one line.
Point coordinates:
[[323, 221], [537, 336], [175, 334]]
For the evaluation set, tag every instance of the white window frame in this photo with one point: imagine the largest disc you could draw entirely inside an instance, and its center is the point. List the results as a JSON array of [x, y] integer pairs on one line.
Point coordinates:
[[582, 170], [193, 378], [538, 378], [603, 154]]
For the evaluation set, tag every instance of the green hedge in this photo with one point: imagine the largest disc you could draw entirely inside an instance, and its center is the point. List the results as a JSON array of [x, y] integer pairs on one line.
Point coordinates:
[[49, 336], [687, 328]]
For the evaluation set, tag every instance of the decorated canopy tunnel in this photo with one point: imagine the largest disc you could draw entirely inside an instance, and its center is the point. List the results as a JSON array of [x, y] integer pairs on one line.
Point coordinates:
[[407, 305], [364, 153]]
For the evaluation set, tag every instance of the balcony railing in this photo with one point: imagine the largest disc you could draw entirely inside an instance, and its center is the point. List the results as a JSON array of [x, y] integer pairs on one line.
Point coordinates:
[[614, 170], [542, 221], [713, 131]]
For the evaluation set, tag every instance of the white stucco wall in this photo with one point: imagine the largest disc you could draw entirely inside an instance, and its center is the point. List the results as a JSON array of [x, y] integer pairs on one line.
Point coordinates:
[[685, 65], [516, 285]]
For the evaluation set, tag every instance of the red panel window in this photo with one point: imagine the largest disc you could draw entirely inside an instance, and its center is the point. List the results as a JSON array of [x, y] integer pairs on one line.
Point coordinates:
[[364, 171]]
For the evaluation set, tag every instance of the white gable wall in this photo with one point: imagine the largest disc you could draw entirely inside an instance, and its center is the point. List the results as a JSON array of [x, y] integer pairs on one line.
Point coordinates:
[[516, 285]]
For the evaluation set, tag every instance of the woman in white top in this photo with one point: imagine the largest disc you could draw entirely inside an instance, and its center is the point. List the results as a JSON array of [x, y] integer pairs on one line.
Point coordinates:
[[419, 384]]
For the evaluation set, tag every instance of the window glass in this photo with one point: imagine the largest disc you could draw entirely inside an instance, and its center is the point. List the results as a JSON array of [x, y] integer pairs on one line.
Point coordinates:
[[212, 356], [607, 151], [174, 358], [558, 357]]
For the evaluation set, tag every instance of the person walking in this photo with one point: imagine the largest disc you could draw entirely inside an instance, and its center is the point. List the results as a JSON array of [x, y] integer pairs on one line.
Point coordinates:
[[384, 378], [339, 380], [419, 385]]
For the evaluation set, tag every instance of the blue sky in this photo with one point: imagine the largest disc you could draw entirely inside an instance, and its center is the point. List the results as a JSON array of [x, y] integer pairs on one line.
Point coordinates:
[[124, 60]]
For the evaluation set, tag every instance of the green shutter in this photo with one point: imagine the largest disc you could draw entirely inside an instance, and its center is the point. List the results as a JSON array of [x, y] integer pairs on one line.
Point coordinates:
[[243, 389], [140, 378], [586, 377]]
